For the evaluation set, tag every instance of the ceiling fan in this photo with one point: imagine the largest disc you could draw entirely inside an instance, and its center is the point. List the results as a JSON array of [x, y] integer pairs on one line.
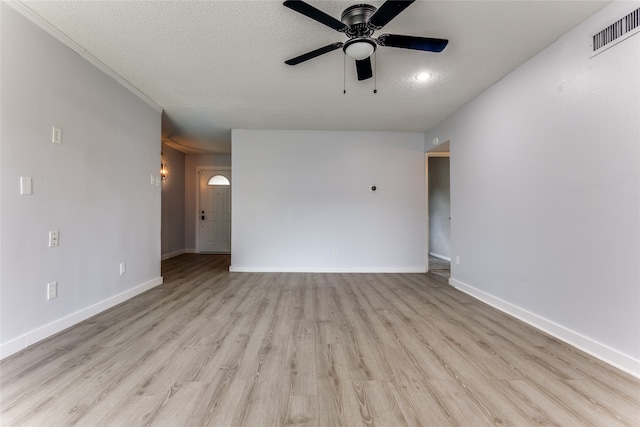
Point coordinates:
[[359, 22]]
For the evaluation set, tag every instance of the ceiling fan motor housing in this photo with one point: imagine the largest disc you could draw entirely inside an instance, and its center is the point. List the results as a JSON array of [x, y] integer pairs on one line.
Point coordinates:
[[356, 17]]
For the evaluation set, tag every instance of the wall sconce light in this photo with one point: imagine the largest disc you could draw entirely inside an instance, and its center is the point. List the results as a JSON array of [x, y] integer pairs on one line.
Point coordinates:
[[164, 170]]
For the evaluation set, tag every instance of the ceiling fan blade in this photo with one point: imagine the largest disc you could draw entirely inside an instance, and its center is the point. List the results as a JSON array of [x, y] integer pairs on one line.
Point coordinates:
[[310, 55], [389, 10], [363, 67], [315, 14], [411, 42]]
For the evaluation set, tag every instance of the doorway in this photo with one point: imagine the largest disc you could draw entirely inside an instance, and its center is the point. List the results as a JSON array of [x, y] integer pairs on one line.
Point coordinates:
[[214, 210], [438, 213]]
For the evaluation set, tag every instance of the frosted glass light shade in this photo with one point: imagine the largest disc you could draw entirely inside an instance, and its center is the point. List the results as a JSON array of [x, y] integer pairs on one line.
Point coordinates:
[[359, 50]]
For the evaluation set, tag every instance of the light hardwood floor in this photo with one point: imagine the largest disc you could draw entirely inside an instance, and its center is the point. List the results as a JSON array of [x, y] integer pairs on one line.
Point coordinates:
[[215, 348]]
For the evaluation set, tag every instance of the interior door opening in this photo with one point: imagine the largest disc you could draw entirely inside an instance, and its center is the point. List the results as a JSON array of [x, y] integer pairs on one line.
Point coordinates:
[[439, 213]]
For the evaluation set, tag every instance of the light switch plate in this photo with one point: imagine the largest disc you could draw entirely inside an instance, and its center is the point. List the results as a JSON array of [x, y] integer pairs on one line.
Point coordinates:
[[26, 186]]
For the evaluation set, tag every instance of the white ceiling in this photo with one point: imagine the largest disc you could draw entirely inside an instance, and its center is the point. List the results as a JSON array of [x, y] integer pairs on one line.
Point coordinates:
[[218, 65]]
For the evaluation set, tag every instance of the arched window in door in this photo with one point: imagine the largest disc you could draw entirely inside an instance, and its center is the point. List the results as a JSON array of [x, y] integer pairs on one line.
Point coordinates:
[[218, 180]]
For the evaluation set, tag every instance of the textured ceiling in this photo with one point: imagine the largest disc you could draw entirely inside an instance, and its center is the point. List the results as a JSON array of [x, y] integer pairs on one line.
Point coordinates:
[[219, 65]]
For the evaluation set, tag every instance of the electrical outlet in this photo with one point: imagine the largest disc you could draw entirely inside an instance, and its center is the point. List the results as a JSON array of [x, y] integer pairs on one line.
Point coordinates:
[[123, 268], [52, 290], [53, 239], [335, 251], [457, 260], [435, 242]]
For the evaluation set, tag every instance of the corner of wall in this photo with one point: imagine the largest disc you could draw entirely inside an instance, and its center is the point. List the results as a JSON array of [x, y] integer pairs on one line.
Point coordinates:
[[609, 355], [25, 340]]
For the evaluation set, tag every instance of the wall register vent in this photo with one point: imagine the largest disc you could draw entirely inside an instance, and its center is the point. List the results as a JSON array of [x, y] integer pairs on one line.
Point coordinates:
[[620, 30]]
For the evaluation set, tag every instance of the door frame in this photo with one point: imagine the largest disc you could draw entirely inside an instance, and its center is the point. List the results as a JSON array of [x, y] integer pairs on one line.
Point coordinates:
[[199, 170], [426, 180]]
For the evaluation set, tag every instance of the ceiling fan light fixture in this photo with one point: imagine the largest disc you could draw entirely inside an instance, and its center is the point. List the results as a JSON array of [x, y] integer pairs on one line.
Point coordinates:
[[360, 48]]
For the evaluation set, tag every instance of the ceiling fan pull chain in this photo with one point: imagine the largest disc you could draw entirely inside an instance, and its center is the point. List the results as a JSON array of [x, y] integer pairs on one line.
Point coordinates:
[[344, 74], [375, 72]]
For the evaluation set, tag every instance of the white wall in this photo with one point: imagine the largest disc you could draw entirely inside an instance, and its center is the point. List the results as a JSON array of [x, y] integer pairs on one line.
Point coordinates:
[[173, 203], [297, 195], [545, 188], [95, 188]]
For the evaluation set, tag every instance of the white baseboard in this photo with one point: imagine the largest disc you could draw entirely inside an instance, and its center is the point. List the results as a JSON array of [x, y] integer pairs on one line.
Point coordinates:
[[173, 254], [191, 251], [446, 258], [608, 355], [18, 344], [327, 269]]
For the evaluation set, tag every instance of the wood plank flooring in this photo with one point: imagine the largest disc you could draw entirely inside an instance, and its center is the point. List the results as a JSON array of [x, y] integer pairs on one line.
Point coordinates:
[[213, 348]]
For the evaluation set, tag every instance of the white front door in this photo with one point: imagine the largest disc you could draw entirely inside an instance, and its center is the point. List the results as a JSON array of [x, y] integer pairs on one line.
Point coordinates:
[[214, 215]]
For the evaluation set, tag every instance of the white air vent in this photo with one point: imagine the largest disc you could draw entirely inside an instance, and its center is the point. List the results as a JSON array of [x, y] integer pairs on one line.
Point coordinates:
[[620, 30]]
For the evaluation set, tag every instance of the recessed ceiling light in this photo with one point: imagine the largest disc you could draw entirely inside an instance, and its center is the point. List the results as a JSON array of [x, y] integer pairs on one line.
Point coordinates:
[[423, 77]]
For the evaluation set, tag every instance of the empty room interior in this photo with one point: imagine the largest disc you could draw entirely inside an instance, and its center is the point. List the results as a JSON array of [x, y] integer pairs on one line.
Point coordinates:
[[320, 213]]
